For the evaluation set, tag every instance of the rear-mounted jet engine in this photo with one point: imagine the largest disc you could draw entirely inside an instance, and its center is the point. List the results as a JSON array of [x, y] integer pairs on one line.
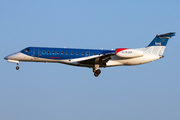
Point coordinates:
[[128, 53]]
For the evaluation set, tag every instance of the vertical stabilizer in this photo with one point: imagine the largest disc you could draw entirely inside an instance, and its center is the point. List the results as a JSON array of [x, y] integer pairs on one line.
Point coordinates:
[[158, 45]]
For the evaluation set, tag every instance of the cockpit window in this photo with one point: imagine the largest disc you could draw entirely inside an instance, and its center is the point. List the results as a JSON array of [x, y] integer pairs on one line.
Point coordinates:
[[25, 50]]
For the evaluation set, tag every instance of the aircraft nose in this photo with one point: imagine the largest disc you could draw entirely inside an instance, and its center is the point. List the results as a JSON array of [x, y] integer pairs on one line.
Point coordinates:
[[12, 56], [6, 57]]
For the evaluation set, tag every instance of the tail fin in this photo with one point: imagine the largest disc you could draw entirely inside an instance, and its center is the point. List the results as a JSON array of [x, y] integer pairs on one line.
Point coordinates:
[[158, 45]]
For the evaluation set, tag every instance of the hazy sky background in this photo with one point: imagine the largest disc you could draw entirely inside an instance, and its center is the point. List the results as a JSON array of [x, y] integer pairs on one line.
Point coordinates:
[[53, 91]]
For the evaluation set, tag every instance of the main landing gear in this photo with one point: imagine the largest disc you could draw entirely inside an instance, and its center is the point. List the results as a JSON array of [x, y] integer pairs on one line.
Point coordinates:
[[97, 72], [17, 67]]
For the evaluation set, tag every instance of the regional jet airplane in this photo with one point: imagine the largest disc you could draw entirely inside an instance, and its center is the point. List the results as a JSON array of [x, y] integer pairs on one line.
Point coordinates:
[[94, 58]]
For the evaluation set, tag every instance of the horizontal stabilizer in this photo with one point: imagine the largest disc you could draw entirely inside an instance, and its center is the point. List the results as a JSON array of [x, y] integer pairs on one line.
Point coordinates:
[[166, 35]]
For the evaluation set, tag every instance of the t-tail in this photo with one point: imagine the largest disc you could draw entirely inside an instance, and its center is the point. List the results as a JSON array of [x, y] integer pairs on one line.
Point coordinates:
[[158, 45]]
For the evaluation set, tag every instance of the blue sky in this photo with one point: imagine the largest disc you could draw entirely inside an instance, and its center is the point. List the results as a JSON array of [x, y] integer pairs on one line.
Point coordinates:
[[40, 91]]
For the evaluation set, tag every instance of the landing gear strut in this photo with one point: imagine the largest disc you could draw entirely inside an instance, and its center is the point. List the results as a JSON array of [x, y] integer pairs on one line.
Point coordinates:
[[17, 67], [96, 70]]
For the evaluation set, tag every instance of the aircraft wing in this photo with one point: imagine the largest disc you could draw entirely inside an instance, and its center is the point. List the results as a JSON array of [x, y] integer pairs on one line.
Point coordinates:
[[101, 59]]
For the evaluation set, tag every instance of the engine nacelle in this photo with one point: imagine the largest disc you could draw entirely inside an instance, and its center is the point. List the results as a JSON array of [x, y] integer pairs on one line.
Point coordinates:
[[128, 53]]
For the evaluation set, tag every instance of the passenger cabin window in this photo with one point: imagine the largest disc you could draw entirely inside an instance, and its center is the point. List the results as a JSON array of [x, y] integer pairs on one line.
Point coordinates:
[[57, 52], [44, 52], [77, 53], [53, 52], [93, 53], [72, 53], [62, 52], [47, 52], [87, 53], [66, 53], [82, 53]]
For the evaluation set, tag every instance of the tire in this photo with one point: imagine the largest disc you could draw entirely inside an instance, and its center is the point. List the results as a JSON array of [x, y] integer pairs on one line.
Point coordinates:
[[96, 75], [98, 71], [17, 67]]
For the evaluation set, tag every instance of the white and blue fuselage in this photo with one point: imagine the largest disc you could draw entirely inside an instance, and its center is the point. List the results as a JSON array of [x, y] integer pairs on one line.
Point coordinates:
[[57, 55], [93, 58]]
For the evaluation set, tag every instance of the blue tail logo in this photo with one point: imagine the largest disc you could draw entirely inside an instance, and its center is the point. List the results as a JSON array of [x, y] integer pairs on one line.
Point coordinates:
[[161, 40]]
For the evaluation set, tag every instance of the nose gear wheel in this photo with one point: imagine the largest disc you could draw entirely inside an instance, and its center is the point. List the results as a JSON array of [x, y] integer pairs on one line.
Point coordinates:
[[17, 67]]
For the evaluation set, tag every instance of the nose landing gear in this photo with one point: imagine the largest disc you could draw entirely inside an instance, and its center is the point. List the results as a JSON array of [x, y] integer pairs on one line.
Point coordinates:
[[17, 67]]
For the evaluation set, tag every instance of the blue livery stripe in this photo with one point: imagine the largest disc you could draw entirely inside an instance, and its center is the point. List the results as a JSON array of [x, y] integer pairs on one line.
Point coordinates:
[[62, 53]]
